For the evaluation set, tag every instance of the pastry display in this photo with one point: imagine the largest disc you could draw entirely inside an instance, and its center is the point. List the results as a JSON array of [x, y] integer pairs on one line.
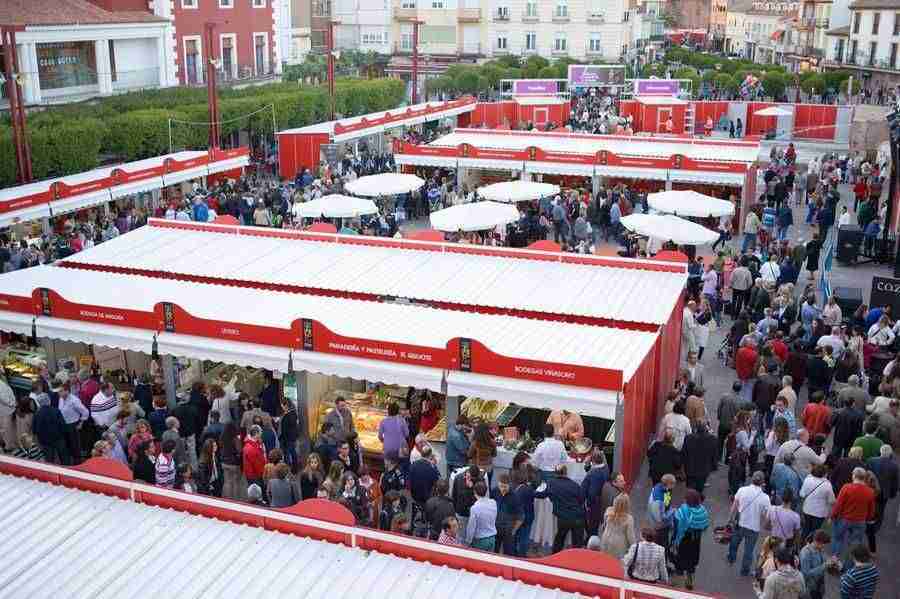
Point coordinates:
[[367, 416]]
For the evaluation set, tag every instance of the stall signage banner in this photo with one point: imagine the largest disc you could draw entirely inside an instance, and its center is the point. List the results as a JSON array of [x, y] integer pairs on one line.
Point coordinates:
[[656, 87], [534, 86], [885, 292], [587, 75]]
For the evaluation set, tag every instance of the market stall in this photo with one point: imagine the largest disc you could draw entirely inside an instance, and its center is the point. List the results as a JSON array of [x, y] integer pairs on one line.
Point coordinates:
[[460, 321]]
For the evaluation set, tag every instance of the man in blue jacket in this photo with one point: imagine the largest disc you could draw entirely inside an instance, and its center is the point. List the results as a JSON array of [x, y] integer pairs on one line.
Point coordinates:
[[457, 444], [200, 211], [591, 487]]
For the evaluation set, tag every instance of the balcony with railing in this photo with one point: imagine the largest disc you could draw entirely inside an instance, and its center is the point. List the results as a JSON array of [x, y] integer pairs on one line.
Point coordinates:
[[501, 16], [468, 15], [593, 52], [561, 16], [556, 51], [596, 17], [531, 17], [404, 11]]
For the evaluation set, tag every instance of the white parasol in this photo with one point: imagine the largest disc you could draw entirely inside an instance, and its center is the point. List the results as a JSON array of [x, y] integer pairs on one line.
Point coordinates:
[[476, 216], [669, 228], [773, 111], [385, 184], [689, 203], [335, 206], [517, 191]]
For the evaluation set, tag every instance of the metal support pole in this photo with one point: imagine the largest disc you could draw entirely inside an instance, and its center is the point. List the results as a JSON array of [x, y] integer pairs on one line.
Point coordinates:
[[330, 40], [415, 63], [211, 88], [16, 105], [168, 371]]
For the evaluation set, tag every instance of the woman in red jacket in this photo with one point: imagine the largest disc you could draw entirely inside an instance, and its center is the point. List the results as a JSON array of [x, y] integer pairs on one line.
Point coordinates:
[[254, 457]]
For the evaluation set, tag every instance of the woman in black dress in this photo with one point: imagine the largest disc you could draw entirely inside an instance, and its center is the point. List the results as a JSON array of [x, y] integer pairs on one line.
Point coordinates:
[[812, 256]]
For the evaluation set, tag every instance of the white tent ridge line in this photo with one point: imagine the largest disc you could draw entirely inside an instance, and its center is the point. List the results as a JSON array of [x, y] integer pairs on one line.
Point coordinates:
[[476, 216], [669, 228], [689, 203], [517, 191], [385, 184]]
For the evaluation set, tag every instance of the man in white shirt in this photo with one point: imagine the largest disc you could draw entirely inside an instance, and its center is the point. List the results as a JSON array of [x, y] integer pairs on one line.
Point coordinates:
[[104, 406], [844, 219], [750, 503], [804, 456], [550, 453], [835, 341], [688, 330], [816, 499], [770, 271], [73, 413]]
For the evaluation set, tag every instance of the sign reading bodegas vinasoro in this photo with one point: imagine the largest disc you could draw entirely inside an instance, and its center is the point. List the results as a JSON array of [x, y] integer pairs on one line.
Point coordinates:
[[885, 292]]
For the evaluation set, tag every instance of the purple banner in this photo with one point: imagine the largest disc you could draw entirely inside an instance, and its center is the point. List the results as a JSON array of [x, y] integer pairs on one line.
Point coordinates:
[[656, 87], [588, 75], [534, 86]]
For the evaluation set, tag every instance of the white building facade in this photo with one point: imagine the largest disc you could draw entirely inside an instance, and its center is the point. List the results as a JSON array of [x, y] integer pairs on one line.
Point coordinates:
[[580, 29], [363, 25], [866, 40]]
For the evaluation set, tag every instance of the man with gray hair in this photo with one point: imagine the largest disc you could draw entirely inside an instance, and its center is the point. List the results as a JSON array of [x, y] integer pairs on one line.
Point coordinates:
[[750, 504], [804, 456], [854, 392], [173, 427], [768, 324], [854, 507]]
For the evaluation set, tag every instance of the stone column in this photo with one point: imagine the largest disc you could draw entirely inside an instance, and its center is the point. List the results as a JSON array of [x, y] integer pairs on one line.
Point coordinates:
[[104, 68]]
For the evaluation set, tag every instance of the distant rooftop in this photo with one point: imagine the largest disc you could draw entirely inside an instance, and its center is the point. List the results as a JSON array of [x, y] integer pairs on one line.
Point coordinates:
[[67, 12]]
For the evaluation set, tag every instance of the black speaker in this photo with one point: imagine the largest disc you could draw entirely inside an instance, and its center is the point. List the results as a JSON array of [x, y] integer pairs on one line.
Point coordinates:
[[850, 238]]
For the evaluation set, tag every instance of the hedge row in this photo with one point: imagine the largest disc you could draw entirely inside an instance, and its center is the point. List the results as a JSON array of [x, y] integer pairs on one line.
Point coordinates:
[[71, 139]]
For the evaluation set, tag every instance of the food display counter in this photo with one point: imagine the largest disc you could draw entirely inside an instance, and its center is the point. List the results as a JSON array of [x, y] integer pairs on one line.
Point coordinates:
[[368, 410], [22, 365], [231, 378]]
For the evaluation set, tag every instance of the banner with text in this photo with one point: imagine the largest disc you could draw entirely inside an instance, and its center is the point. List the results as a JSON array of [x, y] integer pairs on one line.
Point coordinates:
[[596, 75]]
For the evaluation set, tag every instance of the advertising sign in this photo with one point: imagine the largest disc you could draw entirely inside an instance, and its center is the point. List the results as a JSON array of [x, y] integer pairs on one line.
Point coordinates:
[[593, 75], [656, 87], [534, 86], [885, 292]]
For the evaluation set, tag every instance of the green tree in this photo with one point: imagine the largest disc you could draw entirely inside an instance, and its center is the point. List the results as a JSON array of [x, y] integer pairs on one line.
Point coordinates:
[[510, 61], [533, 66], [470, 82], [813, 84], [548, 72], [493, 73], [723, 81], [774, 84]]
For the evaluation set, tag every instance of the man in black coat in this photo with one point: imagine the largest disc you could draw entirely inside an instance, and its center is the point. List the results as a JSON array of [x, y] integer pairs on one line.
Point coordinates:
[[765, 390], [50, 429], [288, 432], [847, 424], [699, 455], [568, 507]]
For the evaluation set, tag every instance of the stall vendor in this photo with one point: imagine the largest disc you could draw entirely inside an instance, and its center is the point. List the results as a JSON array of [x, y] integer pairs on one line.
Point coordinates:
[[566, 425]]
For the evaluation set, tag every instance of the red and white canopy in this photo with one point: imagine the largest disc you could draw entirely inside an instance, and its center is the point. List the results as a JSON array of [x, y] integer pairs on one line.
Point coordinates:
[[54, 197]]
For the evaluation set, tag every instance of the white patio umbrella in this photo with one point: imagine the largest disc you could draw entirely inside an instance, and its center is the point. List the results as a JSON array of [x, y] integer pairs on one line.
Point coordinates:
[[476, 216], [669, 228], [687, 202], [773, 111], [385, 184], [517, 191]]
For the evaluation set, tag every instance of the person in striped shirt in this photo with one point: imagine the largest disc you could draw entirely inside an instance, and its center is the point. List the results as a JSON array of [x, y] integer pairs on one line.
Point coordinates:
[[104, 406], [860, 580], [449, 532], [165, 465], [28, 449]]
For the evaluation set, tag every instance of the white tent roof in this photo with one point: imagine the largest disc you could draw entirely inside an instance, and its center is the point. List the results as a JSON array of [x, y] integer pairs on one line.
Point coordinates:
[[58, 535], [660, 100], [721, 150], [475, 216], [106, 194], [517, 191], [328, 126], [669, 228], [774, 111], [538, 100], [687, 202], [544, 340], [601, 291], [384, 184]]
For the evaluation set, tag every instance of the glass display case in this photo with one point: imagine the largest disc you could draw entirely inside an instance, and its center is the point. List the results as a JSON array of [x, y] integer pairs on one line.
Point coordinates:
[[22, 365], [368, 410]]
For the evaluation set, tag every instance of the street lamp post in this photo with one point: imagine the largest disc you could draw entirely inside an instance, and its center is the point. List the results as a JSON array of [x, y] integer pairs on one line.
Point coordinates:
[[13, 79]]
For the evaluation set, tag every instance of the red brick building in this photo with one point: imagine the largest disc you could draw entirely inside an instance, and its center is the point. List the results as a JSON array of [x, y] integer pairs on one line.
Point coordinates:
[[244, 38]]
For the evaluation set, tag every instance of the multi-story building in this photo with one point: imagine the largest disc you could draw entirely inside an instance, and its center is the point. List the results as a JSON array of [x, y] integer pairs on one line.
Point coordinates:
[[809, 47], [866, 40], [363, 25], [647, 32], [245, 43], [449, 32], [580, 29], [706, 15], [757, 30], [75, 49], [294, 30]]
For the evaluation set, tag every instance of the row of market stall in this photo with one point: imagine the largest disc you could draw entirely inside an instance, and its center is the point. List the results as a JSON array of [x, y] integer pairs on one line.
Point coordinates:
[[718, 168], [63, 195], [337, 314]]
